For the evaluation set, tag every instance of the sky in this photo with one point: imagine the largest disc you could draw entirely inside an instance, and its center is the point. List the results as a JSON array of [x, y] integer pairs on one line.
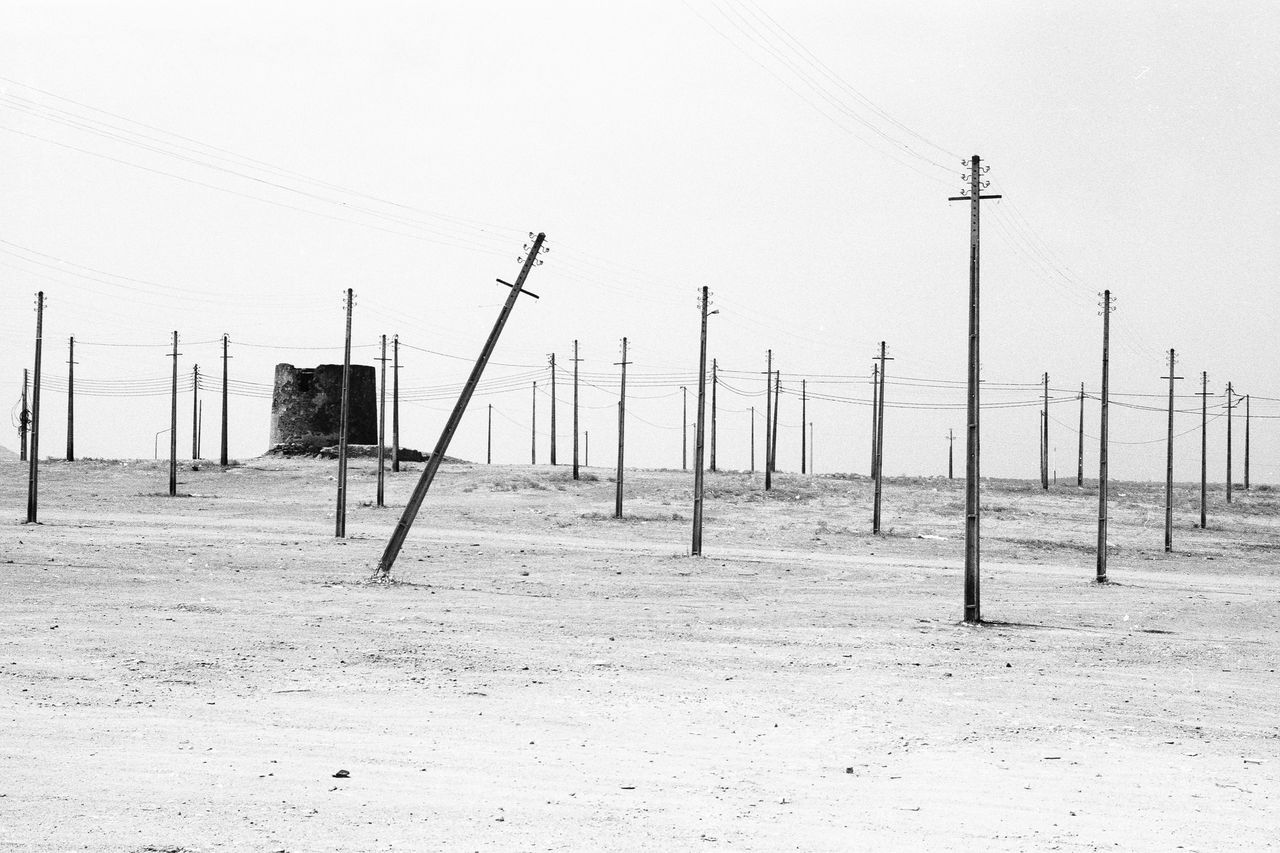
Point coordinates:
[[231, 168]]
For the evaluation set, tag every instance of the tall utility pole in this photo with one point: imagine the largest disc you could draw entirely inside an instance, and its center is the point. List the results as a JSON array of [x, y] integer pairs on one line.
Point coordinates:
[[382, 424], [715, 380], [533, 426], [340, 522], [972, 507], [622, 428], [875, 515], [1044, 438], [222, 460], [704, 303], [488, 443], [1168, 476], [575, 408], [552, 356], [804, 419], [1230, 406], [1246, 442], [33, 472], [1080, 449], [768, 418], [875, 416], [951, 454], [1204, 445], [24, 418], [777, 408], [414, 503], [395, 404], [71, 403], [173, 423], [1108, 305], [195, 411], [684, 428]]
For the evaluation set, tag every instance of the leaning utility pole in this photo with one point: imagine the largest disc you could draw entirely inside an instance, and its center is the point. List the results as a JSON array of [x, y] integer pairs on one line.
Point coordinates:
[[173, 424], [1230, 406], [875, 515], [714, 382], [33, 472], [1168, 476], [533, 426], [71, 402], [223, 457], [552, 356], [1204, 445], [455, 417], [703, 304], [195, 411], [622, 424], [575, 407], [972, 507], [340, 525], [1108, 305], [382, 424], [395, 404], [951, 454], [804, 402], [24, 418], [684, 428], [768, 418], [1080, 449], [1044, 438]]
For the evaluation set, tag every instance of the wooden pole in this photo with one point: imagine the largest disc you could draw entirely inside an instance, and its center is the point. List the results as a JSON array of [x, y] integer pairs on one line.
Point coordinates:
[[195, 411], [1204, 446], [222, 459], [1230, 405], [340, 517], [684, 428], [575, 407], [173, 424], [768, 418], [804, 408], [1080, 448], [382, 424], [395, 404], [33, 470], [1168, 479], [553, 408], [24, 418], [622, 428], [875, 516], [696, 549], [71, 400], [533, 426], [715, 380], [1107, 308]]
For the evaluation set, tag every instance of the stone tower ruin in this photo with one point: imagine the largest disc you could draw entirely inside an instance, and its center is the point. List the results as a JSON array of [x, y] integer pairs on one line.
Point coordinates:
[[306, 407]]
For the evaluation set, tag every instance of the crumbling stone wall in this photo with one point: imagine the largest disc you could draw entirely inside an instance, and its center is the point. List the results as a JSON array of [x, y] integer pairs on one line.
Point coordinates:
[[306, 407]]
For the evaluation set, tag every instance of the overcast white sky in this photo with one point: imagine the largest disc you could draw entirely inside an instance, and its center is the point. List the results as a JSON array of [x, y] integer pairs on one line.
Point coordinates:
[[232, 167]]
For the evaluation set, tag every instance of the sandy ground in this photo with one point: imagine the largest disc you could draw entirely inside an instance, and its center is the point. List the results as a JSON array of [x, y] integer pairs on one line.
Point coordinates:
[[188, 674]]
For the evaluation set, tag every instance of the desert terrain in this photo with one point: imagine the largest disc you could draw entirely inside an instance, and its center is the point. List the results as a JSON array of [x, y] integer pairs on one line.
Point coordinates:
[[189, 674]]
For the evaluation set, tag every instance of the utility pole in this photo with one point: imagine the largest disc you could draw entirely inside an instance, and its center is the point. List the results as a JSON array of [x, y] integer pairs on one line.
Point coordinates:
[[777, 408], [533, 426], [340, 524], [1246, 442], [226, 339], [1044, 438], [972, 506], [1108, 305], [1230, 406], [715, 380], [684, 428], [488, 444], [622, 424], [33, 472], [553, 407], [804, 419], [24, 418], [875, 515], [875, 416], [195, 411], [575, 407], [173, 424], [1080, 449], [753, 439], [395, 404], [1168, 477], [455, 417], [703, 304], [768, 418], [951, 454], [71, 402], [382, 424], [1204, 445]]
